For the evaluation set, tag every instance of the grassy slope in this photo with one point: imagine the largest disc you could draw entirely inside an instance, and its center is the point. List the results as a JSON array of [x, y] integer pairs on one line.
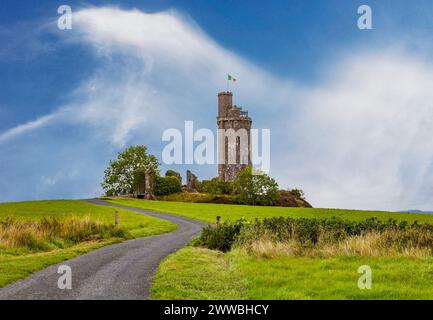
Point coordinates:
[[196, 273], [187, 274], [179, 276], [208, 211], [139, 225], [335, 278], [17, 265]]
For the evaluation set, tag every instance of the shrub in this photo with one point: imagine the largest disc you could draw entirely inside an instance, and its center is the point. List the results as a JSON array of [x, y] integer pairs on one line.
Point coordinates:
[[167, 185], [172, 173], [287, 199], [297, 193], [255, 189], [216, 186], [197, 197], [220, 237], [331, 236]]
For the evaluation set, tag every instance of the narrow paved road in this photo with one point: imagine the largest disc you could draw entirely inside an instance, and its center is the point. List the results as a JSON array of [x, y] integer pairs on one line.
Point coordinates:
[[120, 271]]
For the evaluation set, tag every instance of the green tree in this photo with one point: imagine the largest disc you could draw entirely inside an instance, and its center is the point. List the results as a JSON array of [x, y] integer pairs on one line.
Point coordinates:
[[121, 174], [299, 193], [167, 185], [255, 189], [172, 173], [216, 186]]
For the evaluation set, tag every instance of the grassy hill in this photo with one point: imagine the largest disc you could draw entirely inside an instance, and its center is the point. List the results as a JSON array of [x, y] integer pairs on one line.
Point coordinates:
[[33, 234], [198, 273], [209, 211]]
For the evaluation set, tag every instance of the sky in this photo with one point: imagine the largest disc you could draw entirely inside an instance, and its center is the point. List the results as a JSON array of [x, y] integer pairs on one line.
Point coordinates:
[[350, 111]]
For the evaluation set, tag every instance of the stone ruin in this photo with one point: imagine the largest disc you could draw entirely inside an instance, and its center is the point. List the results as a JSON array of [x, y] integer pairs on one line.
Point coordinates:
[[149, 184], [191, 181], [146, 187]]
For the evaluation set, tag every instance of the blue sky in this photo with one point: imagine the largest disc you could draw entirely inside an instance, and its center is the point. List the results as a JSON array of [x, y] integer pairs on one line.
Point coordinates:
[[348, 109]]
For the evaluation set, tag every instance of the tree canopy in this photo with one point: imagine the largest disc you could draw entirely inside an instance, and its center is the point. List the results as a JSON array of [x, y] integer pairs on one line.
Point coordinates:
[[255, 189], [121, 174]]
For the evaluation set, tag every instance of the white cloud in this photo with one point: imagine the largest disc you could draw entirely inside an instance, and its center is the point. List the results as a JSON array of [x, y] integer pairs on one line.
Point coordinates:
[[363, 137], [157, 66], [359, 138], [28, 126]]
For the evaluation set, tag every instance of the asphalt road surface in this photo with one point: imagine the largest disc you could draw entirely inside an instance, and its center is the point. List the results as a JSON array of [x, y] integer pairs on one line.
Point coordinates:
[[119, 271]]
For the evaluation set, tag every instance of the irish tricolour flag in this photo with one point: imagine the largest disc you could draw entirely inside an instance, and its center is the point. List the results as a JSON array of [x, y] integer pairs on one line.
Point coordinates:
[[231, 78]]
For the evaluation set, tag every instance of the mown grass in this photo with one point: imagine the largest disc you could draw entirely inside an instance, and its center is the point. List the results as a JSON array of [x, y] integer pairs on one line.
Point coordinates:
[[179, 277], [20, 265], [209, 211], [335, 278], [185, 275], [37, 234]]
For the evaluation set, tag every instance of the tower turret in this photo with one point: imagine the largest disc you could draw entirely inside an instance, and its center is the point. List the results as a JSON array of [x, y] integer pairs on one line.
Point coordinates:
[[225, 103], [234, 138]]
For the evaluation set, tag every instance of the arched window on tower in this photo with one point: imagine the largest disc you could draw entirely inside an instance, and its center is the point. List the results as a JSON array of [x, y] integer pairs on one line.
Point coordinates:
[[238, 150], [226, 150]]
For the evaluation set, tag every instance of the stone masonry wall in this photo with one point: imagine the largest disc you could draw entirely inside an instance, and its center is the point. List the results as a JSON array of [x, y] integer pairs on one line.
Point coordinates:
[[235, 153]]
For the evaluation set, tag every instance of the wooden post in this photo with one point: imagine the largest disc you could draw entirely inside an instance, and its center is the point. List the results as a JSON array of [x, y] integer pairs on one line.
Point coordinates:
[[218, 220], [116, 218]]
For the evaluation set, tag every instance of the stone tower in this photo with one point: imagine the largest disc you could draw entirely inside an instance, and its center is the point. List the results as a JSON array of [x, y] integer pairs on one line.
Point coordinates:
[[234, 137]]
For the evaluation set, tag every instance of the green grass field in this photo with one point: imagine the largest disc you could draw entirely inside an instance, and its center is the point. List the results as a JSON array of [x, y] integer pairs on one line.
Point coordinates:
[[17, 263], [208, 211], [139, 225], [197, 273]]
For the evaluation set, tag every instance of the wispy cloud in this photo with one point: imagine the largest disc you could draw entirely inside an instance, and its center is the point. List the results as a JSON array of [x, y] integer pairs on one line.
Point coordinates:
[[157, 66], [360, 137], [27, 127]]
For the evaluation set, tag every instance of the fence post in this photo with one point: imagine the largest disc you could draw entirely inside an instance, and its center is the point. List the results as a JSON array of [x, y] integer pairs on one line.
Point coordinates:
[[116, 218]]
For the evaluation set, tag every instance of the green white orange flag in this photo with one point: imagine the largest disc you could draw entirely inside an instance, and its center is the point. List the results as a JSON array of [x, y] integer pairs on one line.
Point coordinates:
[[231, 78]]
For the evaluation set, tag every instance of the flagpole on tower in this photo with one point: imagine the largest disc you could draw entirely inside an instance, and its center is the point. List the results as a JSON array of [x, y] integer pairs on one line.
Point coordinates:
[[230, 78], [228, 83]]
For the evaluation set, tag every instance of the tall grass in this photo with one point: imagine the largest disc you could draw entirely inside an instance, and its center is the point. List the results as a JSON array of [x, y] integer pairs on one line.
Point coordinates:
[[51, 232], [372, 244], [274, 237]]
